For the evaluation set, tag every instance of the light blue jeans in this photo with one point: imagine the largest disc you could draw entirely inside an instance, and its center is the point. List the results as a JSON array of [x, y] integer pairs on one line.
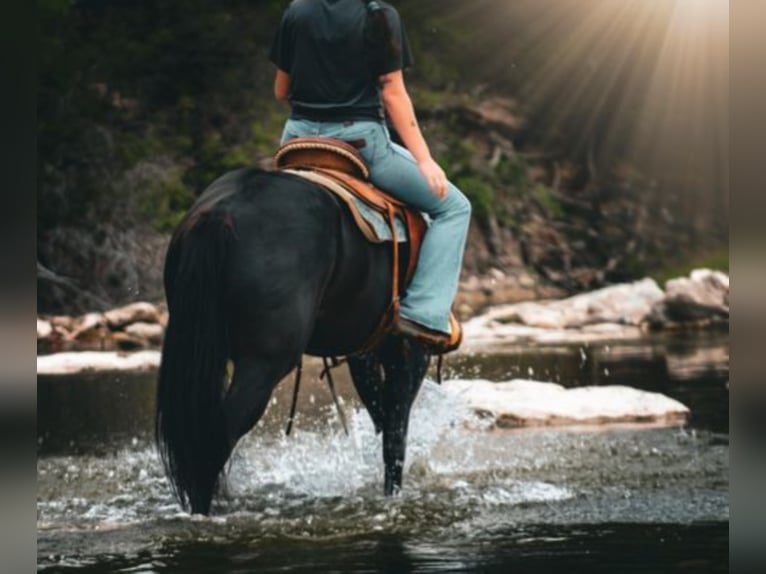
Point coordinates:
[[393, 169]]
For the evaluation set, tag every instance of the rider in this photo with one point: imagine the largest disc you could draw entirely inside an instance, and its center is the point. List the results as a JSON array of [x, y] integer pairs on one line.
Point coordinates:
[[339, 64]]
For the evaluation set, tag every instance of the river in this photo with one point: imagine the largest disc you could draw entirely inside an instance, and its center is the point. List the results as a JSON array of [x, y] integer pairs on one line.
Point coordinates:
[[619, 499]]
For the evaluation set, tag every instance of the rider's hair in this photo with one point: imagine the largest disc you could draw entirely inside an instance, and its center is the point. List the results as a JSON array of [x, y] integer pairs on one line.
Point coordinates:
[[379, 40]]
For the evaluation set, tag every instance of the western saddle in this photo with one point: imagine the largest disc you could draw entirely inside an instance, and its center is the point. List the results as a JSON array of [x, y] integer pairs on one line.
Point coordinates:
[[338, 167]]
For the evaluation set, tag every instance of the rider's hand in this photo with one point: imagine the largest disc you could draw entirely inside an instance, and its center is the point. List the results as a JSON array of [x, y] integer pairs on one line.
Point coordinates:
[[434, 174]]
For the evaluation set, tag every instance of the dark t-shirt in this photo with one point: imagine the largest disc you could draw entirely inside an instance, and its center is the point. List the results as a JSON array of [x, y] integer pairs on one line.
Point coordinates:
[[320, 43]]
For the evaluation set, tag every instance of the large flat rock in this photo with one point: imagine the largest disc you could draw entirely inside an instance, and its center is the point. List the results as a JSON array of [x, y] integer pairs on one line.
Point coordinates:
[[524, 403], [94, 361], [609, 314]]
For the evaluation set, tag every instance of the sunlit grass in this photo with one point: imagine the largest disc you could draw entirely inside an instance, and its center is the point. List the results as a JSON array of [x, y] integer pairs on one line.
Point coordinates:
[[717, 260]]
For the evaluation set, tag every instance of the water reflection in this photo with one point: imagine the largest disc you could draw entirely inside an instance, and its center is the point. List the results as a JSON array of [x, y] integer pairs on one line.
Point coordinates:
[[575, 549]]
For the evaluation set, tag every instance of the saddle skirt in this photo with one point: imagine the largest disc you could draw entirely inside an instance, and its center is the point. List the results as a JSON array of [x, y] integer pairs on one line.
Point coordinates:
[[371, 222]]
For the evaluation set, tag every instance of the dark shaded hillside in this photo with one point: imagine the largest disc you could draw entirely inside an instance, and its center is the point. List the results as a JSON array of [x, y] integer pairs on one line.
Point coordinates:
[[141, 104]]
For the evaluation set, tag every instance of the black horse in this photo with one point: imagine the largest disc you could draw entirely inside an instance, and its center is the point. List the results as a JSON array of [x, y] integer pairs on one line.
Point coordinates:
[[264, 268]]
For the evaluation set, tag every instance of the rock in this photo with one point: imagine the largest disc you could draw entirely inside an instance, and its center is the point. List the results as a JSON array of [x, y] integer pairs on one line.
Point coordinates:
[[124, 342], [525, 403], [150, 332], [625, 304], [509, 291], [464, 312], [44, 329], [86, 323], [90, 332], [717, 279], [701, 297], [536, 315], [474, 299], [133, 313], [527, 281], [63, 322], [545, 292], [496, 274], [89, 361], [471, 284]]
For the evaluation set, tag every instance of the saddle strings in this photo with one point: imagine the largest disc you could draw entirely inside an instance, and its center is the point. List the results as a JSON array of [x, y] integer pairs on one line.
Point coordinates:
[[294, 404], [326, 373], [329, 364]]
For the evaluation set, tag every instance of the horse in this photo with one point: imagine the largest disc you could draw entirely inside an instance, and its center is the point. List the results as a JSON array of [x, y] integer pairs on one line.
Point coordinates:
[[265, 267]]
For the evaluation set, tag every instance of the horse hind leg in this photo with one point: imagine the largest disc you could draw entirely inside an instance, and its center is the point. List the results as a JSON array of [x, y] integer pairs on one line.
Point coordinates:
[[255, 378], [405, 364], [242, 407], [367, 375], [268, 345]]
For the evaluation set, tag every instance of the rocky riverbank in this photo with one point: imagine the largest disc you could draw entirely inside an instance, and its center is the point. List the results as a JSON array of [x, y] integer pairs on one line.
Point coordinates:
[[617, 312]]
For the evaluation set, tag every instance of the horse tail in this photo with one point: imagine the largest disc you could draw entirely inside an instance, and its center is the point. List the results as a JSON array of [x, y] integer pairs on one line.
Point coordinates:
[[189, 423]]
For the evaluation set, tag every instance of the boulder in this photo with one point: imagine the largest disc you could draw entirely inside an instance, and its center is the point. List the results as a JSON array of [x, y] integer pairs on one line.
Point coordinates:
[[496, 288], [90, 333], [625, 304], [44, 329], [133, 313], [63, 322], [149, 332], [525, 403], [701, 297], [122, 341], [85, 324]]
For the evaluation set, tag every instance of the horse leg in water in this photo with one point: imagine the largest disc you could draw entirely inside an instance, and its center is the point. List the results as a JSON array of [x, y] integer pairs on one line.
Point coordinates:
[[405, 364], [367, 375]]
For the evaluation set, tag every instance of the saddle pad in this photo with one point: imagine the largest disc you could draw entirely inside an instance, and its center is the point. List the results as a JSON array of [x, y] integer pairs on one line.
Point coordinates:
[[375, 219], [379, 223]]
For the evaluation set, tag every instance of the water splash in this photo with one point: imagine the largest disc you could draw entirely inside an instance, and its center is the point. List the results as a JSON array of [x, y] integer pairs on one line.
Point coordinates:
[[277, 479]]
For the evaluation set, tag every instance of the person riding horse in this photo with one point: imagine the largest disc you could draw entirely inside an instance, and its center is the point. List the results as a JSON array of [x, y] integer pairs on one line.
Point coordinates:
[[339, 65], [269, 265]]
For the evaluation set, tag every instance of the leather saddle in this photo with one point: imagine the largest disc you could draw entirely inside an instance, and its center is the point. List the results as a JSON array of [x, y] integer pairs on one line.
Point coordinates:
[[338, 167]]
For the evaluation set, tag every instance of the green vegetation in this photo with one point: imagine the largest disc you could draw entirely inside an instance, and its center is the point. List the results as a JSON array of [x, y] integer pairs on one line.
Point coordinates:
[[165, 202], [717, 260], [142, 104], [479, 192], [547, 200]]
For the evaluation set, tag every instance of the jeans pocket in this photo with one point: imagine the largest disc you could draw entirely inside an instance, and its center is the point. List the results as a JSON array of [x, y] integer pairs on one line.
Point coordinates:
[[373, 137]]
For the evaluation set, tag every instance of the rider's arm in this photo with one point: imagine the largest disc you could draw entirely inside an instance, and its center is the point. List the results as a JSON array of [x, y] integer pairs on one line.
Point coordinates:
[[281, 85], [402, 113]]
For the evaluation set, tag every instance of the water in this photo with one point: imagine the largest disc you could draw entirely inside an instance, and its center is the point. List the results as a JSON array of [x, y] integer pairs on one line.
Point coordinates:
[[614, 500]]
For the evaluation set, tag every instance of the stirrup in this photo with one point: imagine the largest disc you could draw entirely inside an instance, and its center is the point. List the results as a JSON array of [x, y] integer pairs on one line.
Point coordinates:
[[438, 343]]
